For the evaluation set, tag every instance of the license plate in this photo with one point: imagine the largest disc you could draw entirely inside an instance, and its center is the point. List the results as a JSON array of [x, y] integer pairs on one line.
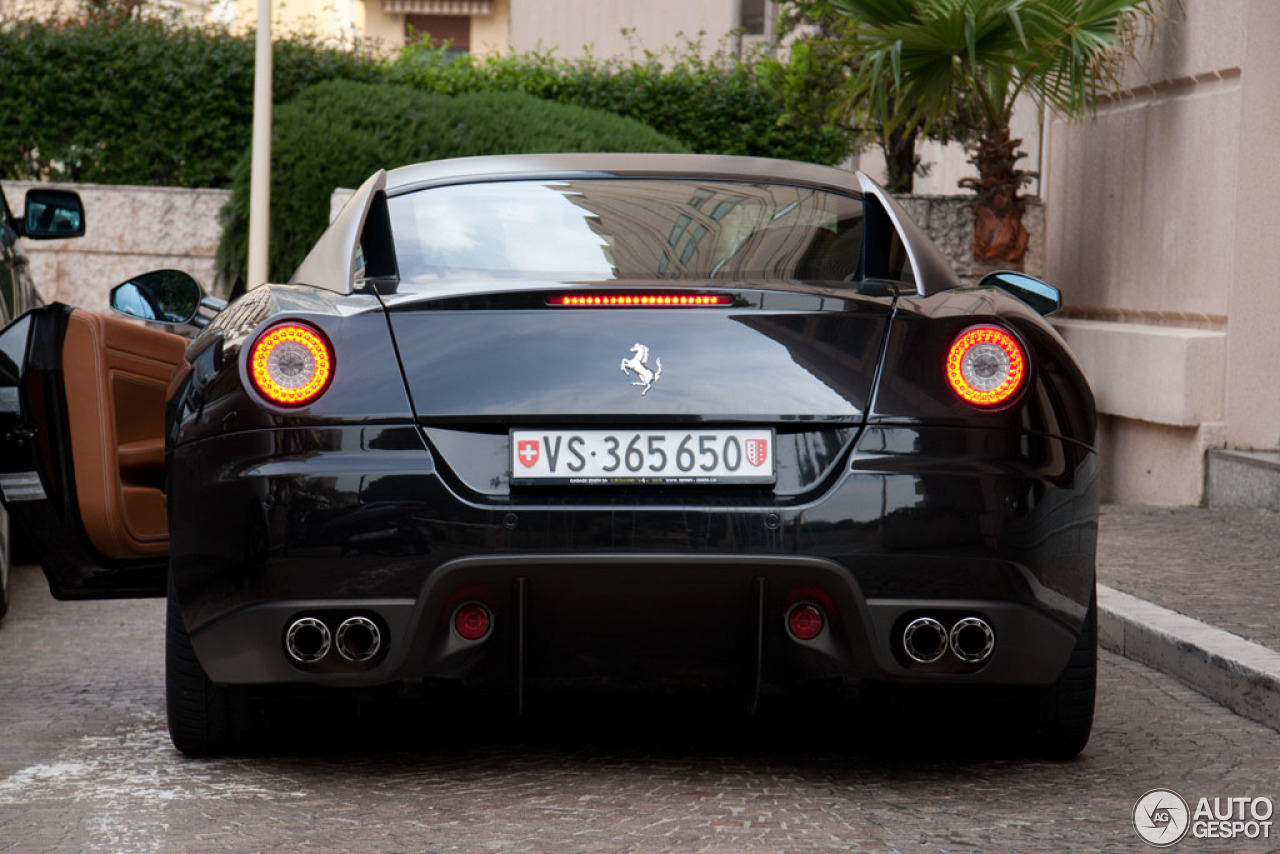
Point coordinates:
[[651, 457]]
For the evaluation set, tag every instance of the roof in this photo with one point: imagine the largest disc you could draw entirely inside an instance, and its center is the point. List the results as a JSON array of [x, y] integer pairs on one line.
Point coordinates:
[[704, 166]]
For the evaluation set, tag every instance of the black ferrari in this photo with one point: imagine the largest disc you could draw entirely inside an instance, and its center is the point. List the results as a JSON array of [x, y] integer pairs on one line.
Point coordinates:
[[529, 424]]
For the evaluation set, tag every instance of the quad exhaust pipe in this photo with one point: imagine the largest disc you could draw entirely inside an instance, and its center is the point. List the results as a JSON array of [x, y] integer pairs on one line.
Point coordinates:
[[972, 640], [926, 640], [308, 640], [359, 639]]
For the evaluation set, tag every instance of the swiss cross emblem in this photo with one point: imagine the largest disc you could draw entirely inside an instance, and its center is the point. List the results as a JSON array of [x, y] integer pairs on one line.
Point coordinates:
[[757, 452], [527, 451]]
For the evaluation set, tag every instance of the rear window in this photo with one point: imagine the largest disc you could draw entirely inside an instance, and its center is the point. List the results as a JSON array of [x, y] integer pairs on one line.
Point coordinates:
[[608, 229]]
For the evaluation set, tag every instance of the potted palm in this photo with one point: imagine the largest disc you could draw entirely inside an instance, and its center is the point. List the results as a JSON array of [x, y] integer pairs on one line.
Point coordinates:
[[924, 63]]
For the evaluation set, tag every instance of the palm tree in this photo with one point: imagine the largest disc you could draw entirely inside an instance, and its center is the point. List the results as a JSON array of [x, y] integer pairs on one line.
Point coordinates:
[[826, 39], [928, 62]]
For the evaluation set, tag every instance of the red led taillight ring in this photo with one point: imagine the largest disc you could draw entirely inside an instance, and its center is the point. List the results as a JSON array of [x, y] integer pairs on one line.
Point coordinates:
[[986, 366], [291, 364]]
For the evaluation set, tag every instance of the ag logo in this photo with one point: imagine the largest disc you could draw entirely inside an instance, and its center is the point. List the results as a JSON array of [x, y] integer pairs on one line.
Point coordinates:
[[1161, 818]]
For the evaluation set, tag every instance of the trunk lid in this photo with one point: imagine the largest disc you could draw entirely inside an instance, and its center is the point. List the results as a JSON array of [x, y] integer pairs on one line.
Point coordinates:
[[786, 354]]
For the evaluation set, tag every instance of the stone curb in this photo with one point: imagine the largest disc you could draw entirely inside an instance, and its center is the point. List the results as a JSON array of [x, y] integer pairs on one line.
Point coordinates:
[[1239, 674]]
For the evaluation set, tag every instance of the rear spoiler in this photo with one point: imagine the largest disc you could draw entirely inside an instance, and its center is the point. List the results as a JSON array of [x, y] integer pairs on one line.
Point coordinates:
[[930, 270], [333, 262]]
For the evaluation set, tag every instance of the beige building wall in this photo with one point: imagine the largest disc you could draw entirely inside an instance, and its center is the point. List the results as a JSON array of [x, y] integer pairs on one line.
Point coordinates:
[[1161, 211], [492, 33], [343, 20], [569, 26], [335, 21], [48, 10], [488, 34], [379, 25], [11, 10]]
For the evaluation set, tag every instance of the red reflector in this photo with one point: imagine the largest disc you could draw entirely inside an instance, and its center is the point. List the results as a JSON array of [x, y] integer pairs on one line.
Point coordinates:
[[472, 621], [805, 621], [607, 300]]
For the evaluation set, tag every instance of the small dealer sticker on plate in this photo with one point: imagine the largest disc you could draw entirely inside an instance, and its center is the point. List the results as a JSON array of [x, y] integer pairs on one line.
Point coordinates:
[[649, 457]]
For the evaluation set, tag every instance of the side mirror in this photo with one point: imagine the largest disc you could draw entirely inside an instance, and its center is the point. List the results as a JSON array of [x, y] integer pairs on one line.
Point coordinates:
[[52, 215], [161, 296], [1044, 299]]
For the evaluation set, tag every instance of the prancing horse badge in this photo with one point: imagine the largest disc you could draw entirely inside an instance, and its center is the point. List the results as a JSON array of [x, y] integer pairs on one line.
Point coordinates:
[[638, 363]]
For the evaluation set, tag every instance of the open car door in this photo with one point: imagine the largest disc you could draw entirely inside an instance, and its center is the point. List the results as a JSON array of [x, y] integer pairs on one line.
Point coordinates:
[[82, 414]]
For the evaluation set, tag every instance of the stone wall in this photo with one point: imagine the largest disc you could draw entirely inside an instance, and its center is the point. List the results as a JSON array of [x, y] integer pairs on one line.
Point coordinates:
[[128, 230], [948, 220]]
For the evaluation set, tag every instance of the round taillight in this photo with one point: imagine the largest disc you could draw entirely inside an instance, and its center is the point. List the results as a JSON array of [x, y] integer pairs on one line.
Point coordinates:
[[805, 621], [986, 366], [472, 621], [291, 364]]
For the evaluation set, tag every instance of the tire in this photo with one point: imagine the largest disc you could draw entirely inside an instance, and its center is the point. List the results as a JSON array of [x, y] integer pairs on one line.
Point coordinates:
[[1062, 713], [205, 720], [5, 563], [22, 549]]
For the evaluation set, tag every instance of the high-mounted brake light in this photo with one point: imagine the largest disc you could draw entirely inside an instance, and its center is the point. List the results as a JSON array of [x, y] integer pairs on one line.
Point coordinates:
[[986, 366], [291, 364], [640, 300]]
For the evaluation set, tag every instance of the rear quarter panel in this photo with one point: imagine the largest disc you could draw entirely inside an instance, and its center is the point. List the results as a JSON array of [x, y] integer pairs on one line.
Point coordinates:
[[215, 396], [1056, 399]]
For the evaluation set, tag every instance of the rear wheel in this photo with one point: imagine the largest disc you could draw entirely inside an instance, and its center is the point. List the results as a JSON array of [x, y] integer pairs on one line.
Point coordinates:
[[1062, 713], [204, 719], [5, 553]]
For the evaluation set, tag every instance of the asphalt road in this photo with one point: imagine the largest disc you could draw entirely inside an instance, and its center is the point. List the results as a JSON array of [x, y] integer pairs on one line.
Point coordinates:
[[86, 766]]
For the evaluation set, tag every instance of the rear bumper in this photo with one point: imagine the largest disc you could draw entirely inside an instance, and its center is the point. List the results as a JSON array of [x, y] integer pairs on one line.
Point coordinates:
[[359, 521]]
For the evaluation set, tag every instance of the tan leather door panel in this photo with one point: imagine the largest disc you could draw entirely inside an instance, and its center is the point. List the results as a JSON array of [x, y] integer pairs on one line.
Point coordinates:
[[116, 374]]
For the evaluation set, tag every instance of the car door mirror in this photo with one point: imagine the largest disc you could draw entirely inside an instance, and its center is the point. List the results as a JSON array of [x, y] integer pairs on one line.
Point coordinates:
[[1044, 298], [161, 296], [52, 215]]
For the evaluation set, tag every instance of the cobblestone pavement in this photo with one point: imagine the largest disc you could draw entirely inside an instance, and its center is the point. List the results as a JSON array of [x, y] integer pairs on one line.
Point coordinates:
[[85, 766], [1220, 566]]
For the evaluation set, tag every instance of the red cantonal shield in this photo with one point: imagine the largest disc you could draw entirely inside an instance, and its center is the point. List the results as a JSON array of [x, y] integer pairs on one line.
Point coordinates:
[[527, 451], [757, 451]]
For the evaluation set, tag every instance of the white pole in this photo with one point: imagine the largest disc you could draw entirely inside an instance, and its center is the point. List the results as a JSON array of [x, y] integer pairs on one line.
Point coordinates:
[[735, 27], [260, 167]]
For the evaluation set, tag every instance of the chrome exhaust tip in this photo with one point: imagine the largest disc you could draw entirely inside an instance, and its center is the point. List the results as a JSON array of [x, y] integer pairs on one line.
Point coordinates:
[[358, 639], [307, 640], [972, 640], [925, 640]]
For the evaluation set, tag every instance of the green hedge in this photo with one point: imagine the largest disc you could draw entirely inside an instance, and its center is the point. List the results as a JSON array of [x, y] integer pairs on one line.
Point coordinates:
[[141, 102], [758, 106], [337, 134], [147, 102], [144, 102]]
